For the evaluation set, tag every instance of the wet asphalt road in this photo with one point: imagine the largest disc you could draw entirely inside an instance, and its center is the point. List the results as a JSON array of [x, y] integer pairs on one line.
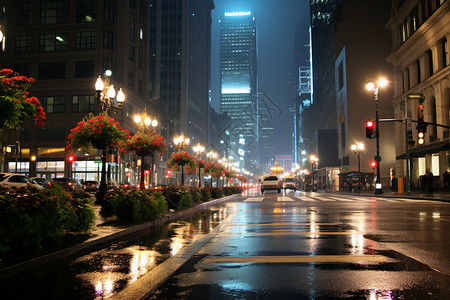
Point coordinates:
[[321, 246], [272, 246]]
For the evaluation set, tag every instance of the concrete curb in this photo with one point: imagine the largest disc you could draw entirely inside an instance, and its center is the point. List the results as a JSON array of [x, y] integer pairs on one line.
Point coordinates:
[[41, 261], [392, 196]]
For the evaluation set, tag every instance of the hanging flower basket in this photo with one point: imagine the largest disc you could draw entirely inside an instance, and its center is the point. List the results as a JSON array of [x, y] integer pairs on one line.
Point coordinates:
[[14, 101], [100, 132], [144, 143], [181, 158]]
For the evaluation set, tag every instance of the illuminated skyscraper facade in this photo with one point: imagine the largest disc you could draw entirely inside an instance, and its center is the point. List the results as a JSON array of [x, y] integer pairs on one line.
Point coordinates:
[[239, 78]]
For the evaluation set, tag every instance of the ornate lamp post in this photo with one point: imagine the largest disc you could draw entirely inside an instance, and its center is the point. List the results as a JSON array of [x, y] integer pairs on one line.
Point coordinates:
[[105, 95], [211, 155], [181, 143], [199, 149], [357, 149], [143, 123], [372, 87]]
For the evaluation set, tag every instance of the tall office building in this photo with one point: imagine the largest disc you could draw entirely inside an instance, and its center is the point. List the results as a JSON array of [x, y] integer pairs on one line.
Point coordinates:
[[180, 47], [65, 45], [238, 94]]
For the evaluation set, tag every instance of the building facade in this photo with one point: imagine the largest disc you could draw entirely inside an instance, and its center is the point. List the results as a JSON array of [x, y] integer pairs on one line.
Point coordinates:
[[420, 58], [180, 55], [65, 45], [238, 80]]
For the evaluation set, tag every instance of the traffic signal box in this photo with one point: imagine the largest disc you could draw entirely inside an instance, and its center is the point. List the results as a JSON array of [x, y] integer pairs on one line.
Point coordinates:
[[373, 164], [369, 129], [421, 125]]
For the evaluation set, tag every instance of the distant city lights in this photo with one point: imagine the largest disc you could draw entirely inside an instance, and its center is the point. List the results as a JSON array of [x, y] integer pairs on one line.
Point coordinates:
[[237, 13]]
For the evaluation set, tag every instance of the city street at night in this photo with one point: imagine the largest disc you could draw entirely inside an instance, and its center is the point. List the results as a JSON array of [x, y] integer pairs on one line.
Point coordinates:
[[272, 246]]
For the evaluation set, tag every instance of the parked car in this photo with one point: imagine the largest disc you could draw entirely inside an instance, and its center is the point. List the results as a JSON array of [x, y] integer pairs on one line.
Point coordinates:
[[13, 180], [67, 184], [41, 180], [289, 182], [90, 186], [270, 182], [127, 185]]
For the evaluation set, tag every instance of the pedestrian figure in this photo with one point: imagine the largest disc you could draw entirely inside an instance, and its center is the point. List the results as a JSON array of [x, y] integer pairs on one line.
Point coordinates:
[[429, 181], [446, 176]]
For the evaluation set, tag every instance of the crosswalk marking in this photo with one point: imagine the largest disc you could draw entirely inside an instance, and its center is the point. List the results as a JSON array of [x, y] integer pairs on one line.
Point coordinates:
[[340, 199], [284, 198], [298, 259], [304, 198], [254, 199]]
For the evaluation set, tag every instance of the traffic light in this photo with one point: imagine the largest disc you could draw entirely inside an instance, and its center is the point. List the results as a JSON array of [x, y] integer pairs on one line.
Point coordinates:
[[369, 129], [419, 113], [71, 158], [420, 134], [373, 164]]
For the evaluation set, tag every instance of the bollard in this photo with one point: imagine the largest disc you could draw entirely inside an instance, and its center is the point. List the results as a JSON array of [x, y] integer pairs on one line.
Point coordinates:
[[400, 185]]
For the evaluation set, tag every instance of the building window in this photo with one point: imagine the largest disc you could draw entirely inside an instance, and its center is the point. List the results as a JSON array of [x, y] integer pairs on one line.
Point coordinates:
[[132, 4], [108, 40], [109, 11], [22, 68], [419, 77], [131, 27], [52, 70], [86, 11], [52, 42], [53, 105], [140, 88], [141, 33], [55, 12], [23, 43], [85, 40], [340, 76], [129, 111], [408, 80], [131, 52], [83, 104], [430, 62], [435, 164], [131, 80], [108, 65], [24, 13], [84, 69], [445, 58], [433, 131]]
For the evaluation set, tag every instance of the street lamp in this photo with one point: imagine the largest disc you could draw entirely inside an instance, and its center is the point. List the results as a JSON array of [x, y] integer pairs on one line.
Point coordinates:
[[372, 87], [105, 95], [211, 155], [357, 149], [143, 123], [182, 144], [199, 149], [314, 161]]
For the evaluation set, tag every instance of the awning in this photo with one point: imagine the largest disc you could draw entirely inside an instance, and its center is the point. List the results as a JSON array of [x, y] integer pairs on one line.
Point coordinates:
[[427, 149]]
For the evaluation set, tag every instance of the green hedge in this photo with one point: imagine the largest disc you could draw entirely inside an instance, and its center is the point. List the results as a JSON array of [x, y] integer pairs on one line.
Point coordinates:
[[29, 217], [133, 204]]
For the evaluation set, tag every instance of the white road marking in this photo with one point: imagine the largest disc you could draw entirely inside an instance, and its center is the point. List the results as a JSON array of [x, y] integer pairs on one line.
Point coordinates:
[[254, 199]]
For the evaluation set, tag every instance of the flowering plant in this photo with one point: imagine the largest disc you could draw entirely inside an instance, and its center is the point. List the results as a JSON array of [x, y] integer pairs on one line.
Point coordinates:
[[201, 163], [214, 169], [14, 101], [100, 132], [181, 158], [144, 143]]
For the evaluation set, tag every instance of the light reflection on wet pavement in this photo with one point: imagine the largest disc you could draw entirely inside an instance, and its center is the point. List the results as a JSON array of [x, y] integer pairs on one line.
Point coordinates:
[[102, 273]]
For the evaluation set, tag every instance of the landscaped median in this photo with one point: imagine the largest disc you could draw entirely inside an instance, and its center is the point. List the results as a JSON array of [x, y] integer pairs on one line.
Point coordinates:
[[51, 224]]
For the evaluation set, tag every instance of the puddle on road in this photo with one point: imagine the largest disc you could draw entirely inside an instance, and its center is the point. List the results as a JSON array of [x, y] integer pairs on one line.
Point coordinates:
[[102, 273]]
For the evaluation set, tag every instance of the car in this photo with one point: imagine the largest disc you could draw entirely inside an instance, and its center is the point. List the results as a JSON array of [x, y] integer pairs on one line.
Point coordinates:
[[67, 184], [14, 180], [289, 182], [41, 180], [90, 186], [127, 185], [270, 182]]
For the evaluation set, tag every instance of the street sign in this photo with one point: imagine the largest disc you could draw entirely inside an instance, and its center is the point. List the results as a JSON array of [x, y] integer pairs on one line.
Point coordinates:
[[419, 96]]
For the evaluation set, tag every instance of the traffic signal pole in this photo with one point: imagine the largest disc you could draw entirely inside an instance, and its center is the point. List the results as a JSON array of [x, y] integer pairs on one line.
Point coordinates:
[[378, 189]]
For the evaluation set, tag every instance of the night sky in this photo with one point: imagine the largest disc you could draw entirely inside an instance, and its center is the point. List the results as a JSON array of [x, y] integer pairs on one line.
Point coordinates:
[[279, 24]]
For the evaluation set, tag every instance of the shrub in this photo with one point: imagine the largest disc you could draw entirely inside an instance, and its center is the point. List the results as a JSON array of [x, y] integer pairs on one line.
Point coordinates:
[[133, 204], [206, 194], [197, 198], [28, 216], [216, 192], [186, 201]]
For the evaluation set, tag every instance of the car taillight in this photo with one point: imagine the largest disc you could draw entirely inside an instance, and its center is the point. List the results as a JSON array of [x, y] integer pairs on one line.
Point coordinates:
[[70, 183]]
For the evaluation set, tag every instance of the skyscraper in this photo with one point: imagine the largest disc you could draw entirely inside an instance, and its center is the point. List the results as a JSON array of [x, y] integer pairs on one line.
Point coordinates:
[[180, 46], [238, 92]]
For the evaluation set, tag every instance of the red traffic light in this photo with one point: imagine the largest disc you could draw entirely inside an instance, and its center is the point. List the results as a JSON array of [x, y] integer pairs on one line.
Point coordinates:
[[369, 124], [169, 172], [71, 158], [373, 163], [369, 129]]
